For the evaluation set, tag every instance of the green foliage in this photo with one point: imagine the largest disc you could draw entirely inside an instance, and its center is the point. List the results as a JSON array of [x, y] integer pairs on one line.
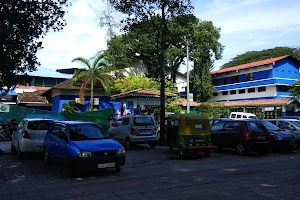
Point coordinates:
[[22, 26], [252, 56], [295, 90], [212, 109], [174, 106], [94, 73], [129, 83], [69, 108]]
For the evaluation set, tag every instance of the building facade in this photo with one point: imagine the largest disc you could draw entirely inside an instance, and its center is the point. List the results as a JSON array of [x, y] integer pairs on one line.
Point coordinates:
[[267, 80]]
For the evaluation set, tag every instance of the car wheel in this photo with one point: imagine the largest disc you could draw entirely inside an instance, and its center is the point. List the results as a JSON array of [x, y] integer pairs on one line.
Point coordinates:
[[184, 154], [240, 150], [20, 153], [47, 159], [127, 144], [118, 169], [13, 149], [207, 152], [152, 145]]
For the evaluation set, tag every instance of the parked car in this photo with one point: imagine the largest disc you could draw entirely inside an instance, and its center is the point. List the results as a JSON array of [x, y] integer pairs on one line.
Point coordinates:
[[82, 146], [134, 129], [280, 140], [241, 135], [289, 117], [242, 115], [29, 137], [290, 125]]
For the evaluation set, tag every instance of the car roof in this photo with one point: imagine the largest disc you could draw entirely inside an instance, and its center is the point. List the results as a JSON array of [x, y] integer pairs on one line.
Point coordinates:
[[37, 119], [242, 113], [242, 120], [283, 119], [74, 122]]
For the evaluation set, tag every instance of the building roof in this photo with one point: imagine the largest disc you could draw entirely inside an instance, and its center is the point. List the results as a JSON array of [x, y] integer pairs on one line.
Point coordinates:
[[183, 102], [67, 70], [142, 92], [30, 97], [45, 72], [23, 87], [249, 65], [263, 102]]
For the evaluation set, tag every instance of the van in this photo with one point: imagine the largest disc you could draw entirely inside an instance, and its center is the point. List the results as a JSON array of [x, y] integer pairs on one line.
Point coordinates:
[[242, 115]]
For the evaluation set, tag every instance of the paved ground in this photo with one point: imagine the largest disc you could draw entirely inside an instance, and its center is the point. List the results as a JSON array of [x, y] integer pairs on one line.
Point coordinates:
[[158, 174]]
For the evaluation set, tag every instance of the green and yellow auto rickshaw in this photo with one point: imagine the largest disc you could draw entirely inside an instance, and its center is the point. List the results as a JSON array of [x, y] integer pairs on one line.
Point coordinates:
[[189, 133]]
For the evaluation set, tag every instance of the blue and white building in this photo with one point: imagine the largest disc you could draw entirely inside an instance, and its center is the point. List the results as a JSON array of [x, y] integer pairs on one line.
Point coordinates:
[[263, 84]]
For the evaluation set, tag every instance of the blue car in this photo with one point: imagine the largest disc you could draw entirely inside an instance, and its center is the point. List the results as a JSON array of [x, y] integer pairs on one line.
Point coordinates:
[[82, 146]]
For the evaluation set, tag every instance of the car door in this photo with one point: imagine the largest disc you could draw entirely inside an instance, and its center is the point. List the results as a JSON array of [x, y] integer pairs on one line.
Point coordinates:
[[217, 133], [16, 135], [116, 130], [125, 128], [52, 141], [62, 143], [231, 134]]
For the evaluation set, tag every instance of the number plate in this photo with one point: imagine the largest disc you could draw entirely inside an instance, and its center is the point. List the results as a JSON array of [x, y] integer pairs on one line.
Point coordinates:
[[106, 165], [261, 137]]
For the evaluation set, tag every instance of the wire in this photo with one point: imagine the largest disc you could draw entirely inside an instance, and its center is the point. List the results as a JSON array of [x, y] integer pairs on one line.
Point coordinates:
[[262, 36]]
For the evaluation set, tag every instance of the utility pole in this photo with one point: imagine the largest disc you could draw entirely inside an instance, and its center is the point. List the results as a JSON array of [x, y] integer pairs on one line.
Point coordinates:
[[187, 77]]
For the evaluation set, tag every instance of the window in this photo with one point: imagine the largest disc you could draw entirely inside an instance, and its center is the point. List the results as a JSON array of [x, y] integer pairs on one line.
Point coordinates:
[[81, 132], [223, 81], [242, 91], [249, 77], [239, 116], [232, 126], [39, 124], [283, 124], [251, 90], [244, 116], [143, 121], [256, 127], [63, 133], [55, 130], [218, 126], [125, 121], [225, 93], [262, 89], [283, 88], [235, 79], [233, 92], [233, 116]]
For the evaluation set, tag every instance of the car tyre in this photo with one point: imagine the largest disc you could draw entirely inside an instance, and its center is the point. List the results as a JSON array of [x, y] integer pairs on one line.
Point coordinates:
[[13, 149], [184, 154], [241, 150], [118, 168], [47, 158], [127, 144]]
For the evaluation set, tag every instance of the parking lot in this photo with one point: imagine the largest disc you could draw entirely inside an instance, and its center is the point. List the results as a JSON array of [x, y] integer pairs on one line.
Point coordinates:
[[157, 174]]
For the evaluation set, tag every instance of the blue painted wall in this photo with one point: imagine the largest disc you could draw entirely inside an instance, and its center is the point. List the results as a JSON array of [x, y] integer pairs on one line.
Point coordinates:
[[262, 75], [286, 69]]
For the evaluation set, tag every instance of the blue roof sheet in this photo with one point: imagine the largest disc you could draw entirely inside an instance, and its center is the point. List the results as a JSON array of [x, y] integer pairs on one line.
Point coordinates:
[[45, 72], [10, 93]]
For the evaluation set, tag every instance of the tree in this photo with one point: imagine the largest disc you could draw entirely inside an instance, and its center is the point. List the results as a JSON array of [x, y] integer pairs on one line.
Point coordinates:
[[22, 24], [94, 74], [140, 11], [128, 83], [69, 108], [252, 56], [212, 109], [295, 90], [174, 106]]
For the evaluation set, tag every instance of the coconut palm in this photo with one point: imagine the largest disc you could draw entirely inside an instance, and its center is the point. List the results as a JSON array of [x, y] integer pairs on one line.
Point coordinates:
[[94, 74]]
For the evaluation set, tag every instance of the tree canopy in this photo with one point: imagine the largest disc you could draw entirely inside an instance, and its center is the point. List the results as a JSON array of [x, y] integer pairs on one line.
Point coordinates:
[[295, 90], [252, 56], [23, 23]]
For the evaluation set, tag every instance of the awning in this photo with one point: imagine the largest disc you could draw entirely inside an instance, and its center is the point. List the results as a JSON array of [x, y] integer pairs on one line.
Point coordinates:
[[10, 93]]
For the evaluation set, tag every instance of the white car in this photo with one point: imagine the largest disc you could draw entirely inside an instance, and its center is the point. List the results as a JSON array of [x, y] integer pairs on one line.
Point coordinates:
[[29, 137], [242, 115]]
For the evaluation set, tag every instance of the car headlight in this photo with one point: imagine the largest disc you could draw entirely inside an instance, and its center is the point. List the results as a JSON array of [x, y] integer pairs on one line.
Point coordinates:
[[121, 151], [84, 154]]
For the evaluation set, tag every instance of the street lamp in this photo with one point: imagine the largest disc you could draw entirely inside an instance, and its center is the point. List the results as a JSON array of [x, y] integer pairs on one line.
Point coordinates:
[[187, 77]]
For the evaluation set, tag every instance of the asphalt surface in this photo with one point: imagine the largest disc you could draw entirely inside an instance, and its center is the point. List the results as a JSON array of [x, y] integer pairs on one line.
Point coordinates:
[[157, 174]]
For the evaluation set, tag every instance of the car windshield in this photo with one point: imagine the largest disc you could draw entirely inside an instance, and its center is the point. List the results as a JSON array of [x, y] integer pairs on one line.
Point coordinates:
[[270, 126], [296, 123], [80, 132], [40, 125], [143, 121]]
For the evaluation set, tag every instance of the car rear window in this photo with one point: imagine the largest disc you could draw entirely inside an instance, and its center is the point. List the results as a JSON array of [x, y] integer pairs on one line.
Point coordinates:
[[256, 127], [143, 121], [39, 125]]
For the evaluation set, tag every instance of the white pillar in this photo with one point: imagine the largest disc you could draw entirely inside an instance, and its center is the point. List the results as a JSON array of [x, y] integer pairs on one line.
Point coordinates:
[[244, 109]]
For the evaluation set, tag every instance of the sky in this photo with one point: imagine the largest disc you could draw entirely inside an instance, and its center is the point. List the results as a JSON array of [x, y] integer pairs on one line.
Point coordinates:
[[246, 25]]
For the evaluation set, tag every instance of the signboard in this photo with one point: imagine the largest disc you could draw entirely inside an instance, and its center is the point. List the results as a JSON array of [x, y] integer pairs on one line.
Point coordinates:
[[152, 101], [4, 108]]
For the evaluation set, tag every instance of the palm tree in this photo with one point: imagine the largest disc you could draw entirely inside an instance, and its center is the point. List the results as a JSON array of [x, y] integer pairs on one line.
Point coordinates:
[[94, 74]]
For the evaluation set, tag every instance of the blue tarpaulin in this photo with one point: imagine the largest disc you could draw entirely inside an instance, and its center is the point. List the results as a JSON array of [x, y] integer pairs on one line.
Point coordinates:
[[10, 93]]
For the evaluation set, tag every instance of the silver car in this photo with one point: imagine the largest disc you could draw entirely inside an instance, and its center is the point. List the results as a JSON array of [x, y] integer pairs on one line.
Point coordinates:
[[290, 125], [30, 135], [134, 129]]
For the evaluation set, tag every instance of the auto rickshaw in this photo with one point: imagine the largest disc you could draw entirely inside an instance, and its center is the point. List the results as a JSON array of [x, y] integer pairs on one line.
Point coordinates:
[[189, 133]]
